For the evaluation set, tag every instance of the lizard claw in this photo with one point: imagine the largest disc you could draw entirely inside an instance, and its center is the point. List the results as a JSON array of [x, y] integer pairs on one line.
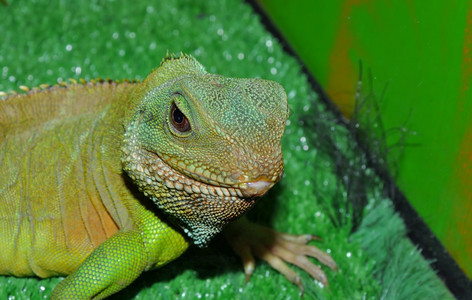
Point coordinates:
[[243, 250], [249, 239]]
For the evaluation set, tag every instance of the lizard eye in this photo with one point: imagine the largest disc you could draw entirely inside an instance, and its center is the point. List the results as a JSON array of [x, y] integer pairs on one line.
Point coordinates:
[[178, 120]]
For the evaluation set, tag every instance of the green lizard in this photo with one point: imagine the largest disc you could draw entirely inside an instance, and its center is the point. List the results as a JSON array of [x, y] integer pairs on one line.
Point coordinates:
[[104, 180]]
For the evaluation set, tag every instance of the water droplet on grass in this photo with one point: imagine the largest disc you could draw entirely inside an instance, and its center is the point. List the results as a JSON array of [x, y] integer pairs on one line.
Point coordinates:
[[149, 9]]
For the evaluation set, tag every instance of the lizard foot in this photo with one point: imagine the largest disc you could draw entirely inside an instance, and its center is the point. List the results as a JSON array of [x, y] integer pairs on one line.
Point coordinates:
[[249, 239]]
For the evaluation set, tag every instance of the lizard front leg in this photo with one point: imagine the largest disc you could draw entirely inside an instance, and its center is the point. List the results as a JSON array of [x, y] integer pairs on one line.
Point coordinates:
[[109, 268], [249, 239]]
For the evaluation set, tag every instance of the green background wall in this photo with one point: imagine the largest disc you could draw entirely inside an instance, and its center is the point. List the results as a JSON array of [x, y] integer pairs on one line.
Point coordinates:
[[422, 51]]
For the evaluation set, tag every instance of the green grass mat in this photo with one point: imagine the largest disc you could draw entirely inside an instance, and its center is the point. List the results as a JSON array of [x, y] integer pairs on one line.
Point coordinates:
[[50, 41]]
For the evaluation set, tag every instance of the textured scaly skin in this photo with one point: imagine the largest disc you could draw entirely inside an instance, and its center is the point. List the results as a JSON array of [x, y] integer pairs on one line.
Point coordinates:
[[86, 170]]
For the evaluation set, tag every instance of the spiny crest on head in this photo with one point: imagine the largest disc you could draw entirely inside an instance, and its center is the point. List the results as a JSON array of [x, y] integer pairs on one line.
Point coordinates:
[[172, 67], [181, 56], [170, 56], [180, 60]]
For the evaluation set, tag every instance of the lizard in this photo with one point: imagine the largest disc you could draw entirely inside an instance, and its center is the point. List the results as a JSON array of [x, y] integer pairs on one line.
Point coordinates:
[[102, 180]]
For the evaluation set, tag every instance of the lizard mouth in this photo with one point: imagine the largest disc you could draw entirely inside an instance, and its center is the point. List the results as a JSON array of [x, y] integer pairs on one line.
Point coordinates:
[[238, 185], [192, 182], [246, 189]]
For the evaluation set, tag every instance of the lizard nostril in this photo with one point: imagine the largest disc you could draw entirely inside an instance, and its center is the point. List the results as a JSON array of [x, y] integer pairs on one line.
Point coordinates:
[[239, 177]]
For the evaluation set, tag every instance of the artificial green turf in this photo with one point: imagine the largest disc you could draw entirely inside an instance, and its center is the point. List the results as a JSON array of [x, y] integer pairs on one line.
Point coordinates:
[[50, 41]]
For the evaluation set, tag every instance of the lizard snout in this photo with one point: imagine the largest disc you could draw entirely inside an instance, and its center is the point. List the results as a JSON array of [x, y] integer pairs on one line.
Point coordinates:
[[255, 188]]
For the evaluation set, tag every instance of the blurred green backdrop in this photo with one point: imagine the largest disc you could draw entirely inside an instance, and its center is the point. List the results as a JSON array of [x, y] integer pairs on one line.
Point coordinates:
[[422, 53]]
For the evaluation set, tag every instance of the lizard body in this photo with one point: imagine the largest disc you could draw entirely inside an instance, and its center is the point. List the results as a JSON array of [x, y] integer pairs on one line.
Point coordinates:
[[87, 170]]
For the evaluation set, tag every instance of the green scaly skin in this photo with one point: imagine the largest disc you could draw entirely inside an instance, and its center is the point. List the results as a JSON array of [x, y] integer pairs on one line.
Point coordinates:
[[79, 164]]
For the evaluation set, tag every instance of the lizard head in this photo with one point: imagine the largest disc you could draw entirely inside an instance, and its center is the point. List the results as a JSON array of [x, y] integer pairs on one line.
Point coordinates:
[[204, 147]]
